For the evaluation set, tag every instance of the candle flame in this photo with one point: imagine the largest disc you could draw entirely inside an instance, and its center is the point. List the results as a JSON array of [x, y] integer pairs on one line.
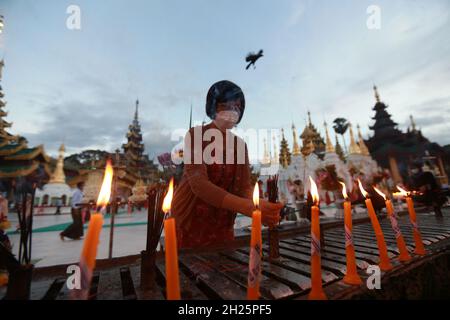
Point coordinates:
[[364, 192], [344, 190], [256, 195], [314, 191], [403, 192], [380, 193], [105, 190], [167, 202]]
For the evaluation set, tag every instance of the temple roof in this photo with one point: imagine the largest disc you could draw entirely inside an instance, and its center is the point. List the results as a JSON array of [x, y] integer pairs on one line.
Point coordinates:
[[11, 149], [30, 154], [12, 170]]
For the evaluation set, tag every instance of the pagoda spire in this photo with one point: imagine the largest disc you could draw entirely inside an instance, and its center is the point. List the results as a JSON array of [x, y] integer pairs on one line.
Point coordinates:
[[295, 149], [3, 123], [309, 119], [136, 112], [377, 96], [354, 148], [266, 156], [275, 158], [285, 155], [362, 145], [58, 175], [329, 148], [190, 118], [413, 123]]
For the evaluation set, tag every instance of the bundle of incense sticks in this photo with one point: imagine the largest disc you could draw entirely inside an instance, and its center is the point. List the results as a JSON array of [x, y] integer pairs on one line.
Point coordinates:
[[155, 218], [272, 190], [25, 215]]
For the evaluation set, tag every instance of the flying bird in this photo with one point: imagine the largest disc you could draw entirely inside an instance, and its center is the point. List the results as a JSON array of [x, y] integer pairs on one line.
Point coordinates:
[[252, 58]]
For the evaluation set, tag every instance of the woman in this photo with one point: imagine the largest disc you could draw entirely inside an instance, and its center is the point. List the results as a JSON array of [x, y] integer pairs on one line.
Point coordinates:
[[214, 189]]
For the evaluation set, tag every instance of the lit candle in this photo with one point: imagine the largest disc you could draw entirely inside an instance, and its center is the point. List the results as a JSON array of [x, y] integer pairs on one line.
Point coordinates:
[[254, 266], [170, 241], [351, 275], [316, 292], [384, 264], [404, 255], [90, 245], [420, 249]]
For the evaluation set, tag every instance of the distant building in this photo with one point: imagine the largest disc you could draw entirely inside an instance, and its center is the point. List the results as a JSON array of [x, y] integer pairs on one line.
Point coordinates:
[[398, 151], [131, 166]]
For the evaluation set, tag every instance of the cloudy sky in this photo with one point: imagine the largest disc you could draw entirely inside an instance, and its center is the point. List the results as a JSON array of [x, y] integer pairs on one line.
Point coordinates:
[[79, 86]]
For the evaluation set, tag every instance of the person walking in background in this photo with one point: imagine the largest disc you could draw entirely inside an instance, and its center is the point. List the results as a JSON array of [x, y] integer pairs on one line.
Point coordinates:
[[75, 230]]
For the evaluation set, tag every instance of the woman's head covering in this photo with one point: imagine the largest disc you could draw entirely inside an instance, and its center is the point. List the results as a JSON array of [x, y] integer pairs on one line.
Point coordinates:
[[223, 91]]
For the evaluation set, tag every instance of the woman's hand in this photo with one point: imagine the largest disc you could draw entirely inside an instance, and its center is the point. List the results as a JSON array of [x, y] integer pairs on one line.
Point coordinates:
[[270, 212]]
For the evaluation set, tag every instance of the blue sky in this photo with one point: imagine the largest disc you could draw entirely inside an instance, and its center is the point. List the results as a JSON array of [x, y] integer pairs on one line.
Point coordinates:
[[79, 86]]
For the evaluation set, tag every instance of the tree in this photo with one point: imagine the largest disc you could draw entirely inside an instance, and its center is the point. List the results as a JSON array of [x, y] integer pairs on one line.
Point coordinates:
[[340, 127]]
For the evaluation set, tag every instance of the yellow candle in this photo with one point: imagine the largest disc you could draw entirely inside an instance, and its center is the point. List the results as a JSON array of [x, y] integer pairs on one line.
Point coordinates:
[[316, 292], [171, 254], [254, 267], [384, 263], [351, 276], [404, 255]]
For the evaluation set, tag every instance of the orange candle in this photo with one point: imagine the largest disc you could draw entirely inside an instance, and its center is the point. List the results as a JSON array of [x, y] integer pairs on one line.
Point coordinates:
[[316, 292], [90, 244], [171, 250], [254, 266], [404, 255], [351, 275], [420, 249], [384, 263], [89, 252]]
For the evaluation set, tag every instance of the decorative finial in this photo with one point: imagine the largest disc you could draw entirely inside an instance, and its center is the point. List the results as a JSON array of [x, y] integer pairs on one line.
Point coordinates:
[[329, 148], [309, 118], [377, 96]]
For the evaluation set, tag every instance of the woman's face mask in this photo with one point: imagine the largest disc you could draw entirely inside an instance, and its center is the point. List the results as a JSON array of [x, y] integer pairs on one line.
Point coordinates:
[[227, 119]]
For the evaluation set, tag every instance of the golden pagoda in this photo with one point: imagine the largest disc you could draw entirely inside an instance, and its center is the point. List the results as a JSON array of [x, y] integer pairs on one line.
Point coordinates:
[[58, 175], [354, 147], [295, 149], [266, 156], [311, 135], [362, 145], [285, 155], [275, 158], [329, 148]]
